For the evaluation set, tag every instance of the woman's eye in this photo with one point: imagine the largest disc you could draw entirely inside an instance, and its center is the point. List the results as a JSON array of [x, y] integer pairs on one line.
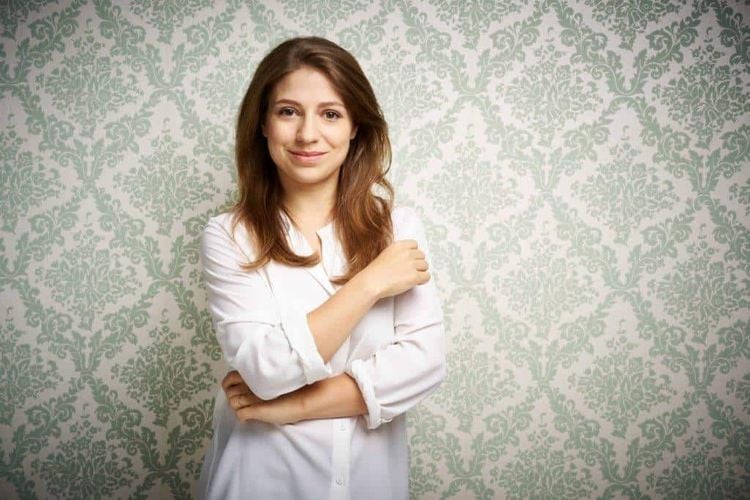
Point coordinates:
[[332, 115], [286, 111]]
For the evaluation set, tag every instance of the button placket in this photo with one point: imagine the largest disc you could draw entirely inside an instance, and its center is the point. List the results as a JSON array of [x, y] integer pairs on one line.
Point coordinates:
[[340, 460]]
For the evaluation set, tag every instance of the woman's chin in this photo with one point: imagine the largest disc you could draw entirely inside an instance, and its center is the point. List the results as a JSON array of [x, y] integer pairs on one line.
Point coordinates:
[[310, 176]]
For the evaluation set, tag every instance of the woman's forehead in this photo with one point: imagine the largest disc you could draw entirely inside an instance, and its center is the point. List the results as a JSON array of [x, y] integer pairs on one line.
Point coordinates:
[[307, 87]]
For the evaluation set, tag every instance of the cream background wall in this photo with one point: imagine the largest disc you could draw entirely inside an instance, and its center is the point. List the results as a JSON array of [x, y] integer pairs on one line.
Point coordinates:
[[582, 169]]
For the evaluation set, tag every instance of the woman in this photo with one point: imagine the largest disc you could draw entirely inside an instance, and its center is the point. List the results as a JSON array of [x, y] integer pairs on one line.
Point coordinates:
[[318, 291]]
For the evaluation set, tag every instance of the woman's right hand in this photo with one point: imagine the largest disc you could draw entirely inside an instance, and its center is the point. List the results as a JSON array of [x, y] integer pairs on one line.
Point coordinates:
[[398, 268]]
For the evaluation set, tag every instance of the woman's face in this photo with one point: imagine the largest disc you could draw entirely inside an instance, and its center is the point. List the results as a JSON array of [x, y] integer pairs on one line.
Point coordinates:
[[308, 130]]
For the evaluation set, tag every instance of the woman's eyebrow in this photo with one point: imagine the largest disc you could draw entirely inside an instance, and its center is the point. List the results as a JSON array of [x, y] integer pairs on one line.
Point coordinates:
[[322, 104]]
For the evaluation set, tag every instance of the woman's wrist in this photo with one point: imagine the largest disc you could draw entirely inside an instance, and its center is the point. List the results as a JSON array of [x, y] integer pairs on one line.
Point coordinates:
[[366, 286]]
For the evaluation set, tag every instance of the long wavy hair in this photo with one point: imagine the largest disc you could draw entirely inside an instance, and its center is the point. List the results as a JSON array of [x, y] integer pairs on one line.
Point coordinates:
[[361, 218]]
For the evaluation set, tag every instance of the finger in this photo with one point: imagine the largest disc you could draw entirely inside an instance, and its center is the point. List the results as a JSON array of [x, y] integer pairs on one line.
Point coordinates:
[[417, 254], [231, 378], [408, 243], [247, 413], [424, 277], [241, 401], [237, 389], [422, 265], [234, 403]]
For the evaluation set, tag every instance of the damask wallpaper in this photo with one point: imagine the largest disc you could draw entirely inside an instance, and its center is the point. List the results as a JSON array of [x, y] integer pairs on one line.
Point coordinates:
[[583, 172]]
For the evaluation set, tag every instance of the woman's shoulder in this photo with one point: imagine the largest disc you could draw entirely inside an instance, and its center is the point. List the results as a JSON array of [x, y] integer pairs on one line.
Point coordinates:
[[221, 223], [223, 227], [220, 219]]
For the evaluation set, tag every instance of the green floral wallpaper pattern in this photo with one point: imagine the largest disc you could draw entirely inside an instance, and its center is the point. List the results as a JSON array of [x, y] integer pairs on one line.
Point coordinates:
[[583, 172]]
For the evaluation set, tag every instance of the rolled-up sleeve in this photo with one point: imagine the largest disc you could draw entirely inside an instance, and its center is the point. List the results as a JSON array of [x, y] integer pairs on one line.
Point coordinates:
[[403, 373], [270, 345]]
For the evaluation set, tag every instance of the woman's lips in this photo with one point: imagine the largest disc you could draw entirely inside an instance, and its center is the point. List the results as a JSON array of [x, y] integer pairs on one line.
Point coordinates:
[[306, 157]]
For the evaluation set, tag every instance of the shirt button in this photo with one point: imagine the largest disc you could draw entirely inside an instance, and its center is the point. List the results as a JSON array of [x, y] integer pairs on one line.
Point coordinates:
[[342, 426], [339, 481]]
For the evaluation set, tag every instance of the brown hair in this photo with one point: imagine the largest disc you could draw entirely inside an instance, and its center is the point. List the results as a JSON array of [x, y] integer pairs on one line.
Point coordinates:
[[361, 219]]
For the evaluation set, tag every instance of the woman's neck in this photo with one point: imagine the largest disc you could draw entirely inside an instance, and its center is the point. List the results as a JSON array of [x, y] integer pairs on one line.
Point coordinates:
[[309, 213]]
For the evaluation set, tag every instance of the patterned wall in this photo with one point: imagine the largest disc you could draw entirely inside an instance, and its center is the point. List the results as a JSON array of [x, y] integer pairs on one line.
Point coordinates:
[[582, 169]]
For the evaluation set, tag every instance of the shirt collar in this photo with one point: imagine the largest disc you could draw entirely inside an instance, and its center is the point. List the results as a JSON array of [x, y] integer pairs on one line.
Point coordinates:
[[296, 238], [333, 262]]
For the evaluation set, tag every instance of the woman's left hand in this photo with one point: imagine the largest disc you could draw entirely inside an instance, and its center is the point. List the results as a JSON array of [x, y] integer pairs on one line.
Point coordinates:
[[286, 409]]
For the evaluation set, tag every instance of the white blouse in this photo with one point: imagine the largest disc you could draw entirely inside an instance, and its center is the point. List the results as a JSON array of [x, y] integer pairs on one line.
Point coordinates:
[[396, 354]]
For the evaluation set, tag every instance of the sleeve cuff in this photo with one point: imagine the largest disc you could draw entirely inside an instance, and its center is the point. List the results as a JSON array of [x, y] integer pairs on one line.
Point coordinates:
[[297, 330], [359, 373]]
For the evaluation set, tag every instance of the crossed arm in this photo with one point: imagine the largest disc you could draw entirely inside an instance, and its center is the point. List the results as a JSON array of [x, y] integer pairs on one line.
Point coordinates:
[[283, 374], [333, 397]]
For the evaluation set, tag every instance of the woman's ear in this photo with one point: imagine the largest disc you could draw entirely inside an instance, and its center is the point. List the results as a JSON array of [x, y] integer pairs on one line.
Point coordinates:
[[263, 130], [354, 132]]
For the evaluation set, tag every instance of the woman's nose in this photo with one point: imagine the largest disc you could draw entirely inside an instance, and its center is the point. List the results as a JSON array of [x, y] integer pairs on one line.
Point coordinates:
[[308, 129]]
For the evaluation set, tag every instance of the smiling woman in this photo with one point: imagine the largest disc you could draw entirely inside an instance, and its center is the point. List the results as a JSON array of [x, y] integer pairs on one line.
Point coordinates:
[[308, 130], [319, 293]]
